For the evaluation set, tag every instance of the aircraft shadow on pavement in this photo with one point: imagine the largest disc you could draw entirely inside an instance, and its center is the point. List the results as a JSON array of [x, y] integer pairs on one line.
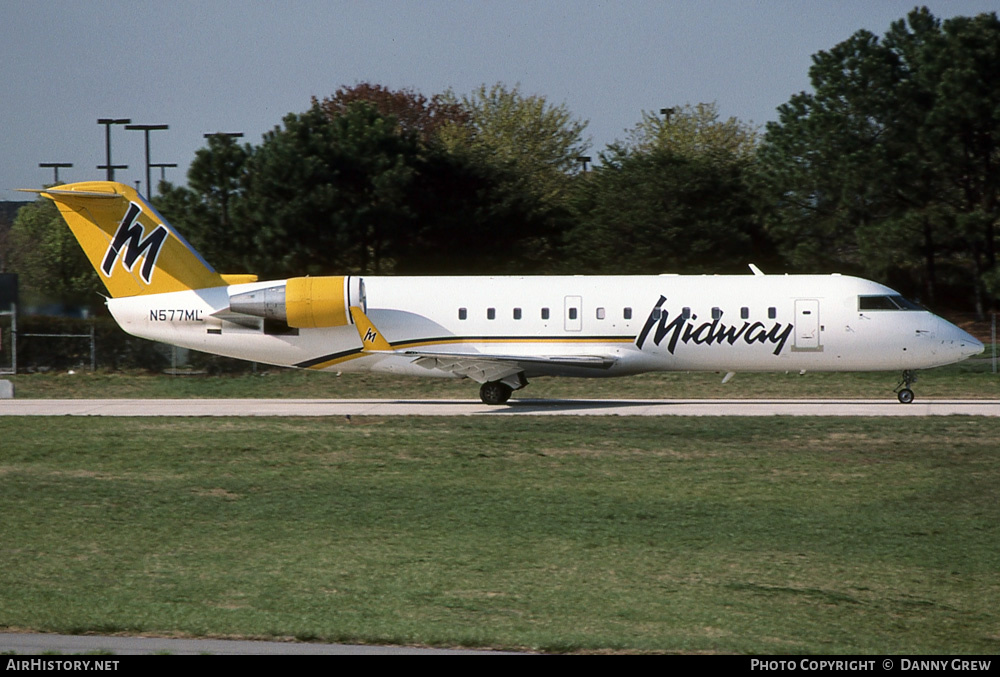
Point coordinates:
[[537, 405]]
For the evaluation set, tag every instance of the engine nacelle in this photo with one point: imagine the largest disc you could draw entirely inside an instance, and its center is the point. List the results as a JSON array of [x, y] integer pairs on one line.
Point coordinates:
[[304, 302]]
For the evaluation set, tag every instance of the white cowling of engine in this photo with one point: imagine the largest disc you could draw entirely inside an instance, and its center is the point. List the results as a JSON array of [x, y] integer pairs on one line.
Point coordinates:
[[304, 302]]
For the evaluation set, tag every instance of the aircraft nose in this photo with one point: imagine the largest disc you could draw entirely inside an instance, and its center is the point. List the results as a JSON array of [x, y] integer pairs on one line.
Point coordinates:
[[972, 346], [965, 343]]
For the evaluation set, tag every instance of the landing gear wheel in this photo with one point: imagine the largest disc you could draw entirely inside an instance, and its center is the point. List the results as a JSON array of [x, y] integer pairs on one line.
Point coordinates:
[[495, 392], [903, 392]]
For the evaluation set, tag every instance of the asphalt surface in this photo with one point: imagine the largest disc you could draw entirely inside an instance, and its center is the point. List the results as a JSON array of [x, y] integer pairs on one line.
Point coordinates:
[[288, 407]]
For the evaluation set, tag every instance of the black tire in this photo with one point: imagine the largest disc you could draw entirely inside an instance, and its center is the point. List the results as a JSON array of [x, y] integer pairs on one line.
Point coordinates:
[[905, 396], [495, 392]]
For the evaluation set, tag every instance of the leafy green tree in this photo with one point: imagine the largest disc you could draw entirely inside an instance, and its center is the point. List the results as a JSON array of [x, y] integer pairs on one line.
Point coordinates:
[[413, 112], [480, 199], [962, 129], [541, 142], [324, 195], [674, 196], [217, 175], [692, 131], [4, 247], [50, 264], [205, 210], [346, 188], [471, 218], [890, 165], [660, 211]]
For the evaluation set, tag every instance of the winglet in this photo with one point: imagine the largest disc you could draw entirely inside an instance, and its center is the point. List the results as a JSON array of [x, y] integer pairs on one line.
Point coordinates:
[[371, 338]]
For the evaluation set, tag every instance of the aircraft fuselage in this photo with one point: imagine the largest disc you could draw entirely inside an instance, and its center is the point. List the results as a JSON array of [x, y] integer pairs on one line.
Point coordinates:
[[497, 331], [639, 323]]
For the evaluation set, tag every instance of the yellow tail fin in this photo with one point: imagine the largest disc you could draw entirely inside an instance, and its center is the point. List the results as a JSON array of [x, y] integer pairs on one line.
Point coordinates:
[[132, 248]]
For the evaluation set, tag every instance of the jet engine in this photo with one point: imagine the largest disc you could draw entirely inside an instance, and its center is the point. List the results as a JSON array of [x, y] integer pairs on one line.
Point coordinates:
[[304, 302]]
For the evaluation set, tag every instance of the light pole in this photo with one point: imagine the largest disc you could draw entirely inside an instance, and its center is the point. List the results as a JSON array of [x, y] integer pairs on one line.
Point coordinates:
[[55, 168], [147, 129], [107, 122], [163, 168]]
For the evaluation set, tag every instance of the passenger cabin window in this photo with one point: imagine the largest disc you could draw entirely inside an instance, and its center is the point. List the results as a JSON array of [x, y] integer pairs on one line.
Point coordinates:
[[772, 313], [686, 312], [463, 313], [627, 314], [744, 313], [886, 303], [716, 313], [572, 313], [600, 313], [491, 313], [517, 313], [545, 313]]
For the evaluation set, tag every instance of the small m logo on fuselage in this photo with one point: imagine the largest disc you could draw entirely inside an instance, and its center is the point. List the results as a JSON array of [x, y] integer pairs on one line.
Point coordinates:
[[130, 243]]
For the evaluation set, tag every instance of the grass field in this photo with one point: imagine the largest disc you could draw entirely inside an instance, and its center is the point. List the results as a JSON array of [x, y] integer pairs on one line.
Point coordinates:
[[972, 379], [593, 535]]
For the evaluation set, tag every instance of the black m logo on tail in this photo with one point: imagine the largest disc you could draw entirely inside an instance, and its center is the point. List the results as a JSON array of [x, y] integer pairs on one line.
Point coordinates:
[[130, 243]]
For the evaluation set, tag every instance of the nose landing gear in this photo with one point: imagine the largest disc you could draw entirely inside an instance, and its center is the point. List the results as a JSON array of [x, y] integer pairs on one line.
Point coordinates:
[[903, 392]]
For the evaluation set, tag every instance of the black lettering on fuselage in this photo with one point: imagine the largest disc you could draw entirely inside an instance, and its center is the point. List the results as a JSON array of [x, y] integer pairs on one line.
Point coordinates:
[[685, 330]]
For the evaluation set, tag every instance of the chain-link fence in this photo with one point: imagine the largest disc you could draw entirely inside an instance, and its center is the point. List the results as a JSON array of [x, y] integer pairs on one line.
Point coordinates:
[[46, 343]]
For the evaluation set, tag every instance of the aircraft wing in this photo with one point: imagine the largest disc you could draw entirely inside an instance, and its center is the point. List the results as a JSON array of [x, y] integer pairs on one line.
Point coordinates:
[[480, 367], [485, 367]]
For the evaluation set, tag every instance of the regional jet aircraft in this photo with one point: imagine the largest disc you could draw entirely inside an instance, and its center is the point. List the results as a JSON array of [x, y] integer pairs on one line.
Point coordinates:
[[498, 331]]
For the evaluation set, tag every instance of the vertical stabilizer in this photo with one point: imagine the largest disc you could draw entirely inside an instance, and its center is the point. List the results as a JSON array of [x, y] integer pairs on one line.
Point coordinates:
[[132, 248]]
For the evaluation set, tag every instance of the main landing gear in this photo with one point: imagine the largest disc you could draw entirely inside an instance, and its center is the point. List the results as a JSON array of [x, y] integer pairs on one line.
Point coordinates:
[[498, 392], [903, 392], [495, 392]]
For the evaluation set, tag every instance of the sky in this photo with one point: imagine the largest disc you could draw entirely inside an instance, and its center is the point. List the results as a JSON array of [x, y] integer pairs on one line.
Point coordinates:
[[241, 66]]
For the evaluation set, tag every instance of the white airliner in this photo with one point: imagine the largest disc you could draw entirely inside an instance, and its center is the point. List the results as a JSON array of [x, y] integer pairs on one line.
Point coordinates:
[[498, 331]]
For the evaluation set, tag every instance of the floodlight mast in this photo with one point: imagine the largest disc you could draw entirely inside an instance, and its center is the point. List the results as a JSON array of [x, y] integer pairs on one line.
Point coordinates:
[[55, 168], [163, 168], [107, 122], [147, 129]]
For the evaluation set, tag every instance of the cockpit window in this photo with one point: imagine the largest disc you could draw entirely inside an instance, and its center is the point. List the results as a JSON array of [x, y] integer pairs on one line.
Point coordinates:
[[886, 303]]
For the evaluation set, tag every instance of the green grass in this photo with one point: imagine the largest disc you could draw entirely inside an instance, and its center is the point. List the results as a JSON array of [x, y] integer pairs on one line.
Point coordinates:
[[782, 535], [972, 379]]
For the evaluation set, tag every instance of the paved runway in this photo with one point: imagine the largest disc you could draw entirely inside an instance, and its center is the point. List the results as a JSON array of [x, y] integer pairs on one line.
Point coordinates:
[[282, 407]]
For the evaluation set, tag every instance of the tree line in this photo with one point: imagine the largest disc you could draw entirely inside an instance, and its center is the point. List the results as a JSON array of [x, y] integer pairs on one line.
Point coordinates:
[[889, 168]]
